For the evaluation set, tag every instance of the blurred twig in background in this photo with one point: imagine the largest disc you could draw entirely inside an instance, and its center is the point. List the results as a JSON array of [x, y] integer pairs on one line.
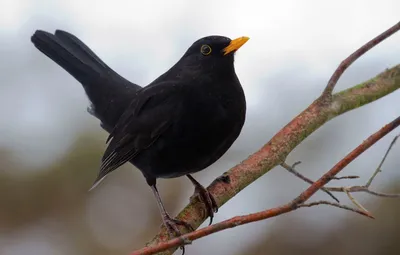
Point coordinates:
[[348, 190]]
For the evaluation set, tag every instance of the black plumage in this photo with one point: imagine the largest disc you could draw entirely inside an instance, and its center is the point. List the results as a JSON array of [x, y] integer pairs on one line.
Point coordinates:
[[179, 124]]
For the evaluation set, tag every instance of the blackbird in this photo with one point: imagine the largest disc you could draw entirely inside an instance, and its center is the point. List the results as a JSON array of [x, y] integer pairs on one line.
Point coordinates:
[[179, 124]]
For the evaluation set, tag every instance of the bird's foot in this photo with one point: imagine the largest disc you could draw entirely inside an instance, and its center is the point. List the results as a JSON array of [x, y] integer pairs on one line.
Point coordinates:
[[205, 196], [172, 225], [173, 230]]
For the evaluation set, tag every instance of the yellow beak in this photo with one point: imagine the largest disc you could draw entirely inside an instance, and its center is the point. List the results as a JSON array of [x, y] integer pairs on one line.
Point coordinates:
[[235, 44]]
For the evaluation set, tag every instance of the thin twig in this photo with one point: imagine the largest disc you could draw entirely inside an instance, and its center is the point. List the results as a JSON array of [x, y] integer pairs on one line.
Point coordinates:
[[296, 164], [346, 177], [354, 201], [378, 169], [352, 189], [345, 207], [291, 169], [362, 189], [303, 197], [379, 194], [353, 57]]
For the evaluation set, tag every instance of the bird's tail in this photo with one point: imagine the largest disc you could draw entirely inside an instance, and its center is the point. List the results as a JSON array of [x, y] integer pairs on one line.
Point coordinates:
[[108, 92], [71, 54]]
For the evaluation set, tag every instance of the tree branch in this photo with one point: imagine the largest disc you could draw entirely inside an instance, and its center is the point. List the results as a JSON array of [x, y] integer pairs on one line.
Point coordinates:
[[358, 53], [277, 149], [298, 202]]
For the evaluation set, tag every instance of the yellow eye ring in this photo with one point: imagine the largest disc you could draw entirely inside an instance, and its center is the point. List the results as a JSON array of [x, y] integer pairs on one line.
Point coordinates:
[[205, 50]]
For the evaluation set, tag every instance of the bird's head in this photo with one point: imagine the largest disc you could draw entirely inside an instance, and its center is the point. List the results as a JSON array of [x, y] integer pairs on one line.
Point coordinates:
[[213, 51]]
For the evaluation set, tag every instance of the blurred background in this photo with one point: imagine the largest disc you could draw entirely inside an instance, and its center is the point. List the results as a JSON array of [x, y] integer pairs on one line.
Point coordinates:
[[50, 147]]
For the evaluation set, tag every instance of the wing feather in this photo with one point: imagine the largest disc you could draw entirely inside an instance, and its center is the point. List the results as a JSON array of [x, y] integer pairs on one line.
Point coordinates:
[[149, 115]]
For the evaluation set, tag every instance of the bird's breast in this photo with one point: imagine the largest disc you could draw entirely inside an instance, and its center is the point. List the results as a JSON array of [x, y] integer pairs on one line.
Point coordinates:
[[204, 125]]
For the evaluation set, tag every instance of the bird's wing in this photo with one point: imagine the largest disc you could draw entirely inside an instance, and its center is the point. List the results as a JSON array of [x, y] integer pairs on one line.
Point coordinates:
[[144, 121]]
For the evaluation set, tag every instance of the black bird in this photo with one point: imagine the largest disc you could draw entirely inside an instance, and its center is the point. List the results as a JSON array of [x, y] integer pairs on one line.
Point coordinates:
[[179, 124]]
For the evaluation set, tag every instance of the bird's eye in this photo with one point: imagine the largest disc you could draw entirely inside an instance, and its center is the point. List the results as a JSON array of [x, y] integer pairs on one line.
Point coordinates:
[[205, 50]]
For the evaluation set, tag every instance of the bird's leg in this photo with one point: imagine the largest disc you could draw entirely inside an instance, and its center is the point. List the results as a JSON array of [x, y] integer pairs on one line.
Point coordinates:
[[170, 223], [205, 197]]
